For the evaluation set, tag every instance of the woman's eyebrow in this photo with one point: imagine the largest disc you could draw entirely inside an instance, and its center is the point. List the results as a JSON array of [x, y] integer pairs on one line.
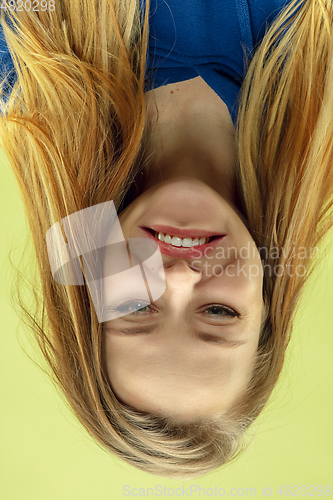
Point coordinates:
[[199, 334], [218, 339], [133, 330]]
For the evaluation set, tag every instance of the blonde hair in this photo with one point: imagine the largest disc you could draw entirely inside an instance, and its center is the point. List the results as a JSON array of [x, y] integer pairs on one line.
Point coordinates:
[[74, 131]]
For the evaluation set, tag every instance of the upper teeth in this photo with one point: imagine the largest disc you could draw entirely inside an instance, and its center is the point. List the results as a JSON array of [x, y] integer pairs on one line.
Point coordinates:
[[181, 242]]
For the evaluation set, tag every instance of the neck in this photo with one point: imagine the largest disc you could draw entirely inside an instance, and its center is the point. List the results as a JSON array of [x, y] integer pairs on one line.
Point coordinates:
[[192, 136]]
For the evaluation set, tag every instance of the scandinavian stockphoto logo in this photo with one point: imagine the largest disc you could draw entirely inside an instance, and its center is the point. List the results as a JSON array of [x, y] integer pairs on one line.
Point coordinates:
[[115, 271]]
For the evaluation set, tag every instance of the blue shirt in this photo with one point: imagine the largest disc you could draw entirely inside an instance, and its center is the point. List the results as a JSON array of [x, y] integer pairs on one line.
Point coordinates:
[[207, 38], [190, 38], [7, 72]]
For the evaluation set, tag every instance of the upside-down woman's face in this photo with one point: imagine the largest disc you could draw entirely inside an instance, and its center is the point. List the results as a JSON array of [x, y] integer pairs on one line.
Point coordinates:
[[191, 352]]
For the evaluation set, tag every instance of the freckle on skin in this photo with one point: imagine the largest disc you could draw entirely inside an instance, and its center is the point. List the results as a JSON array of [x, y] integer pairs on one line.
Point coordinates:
[[171, 91]]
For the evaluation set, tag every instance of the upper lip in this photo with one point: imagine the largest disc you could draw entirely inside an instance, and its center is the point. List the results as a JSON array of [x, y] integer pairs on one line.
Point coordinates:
[[184, 233]]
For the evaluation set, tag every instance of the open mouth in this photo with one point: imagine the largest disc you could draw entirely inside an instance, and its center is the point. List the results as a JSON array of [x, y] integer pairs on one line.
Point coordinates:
[[178, 241]]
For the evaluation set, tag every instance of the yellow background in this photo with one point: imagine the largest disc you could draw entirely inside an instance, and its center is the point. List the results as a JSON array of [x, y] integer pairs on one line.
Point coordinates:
[[45, 455]]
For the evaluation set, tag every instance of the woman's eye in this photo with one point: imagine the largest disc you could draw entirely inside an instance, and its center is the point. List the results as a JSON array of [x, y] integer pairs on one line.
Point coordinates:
[[134, 306], [221, 311]]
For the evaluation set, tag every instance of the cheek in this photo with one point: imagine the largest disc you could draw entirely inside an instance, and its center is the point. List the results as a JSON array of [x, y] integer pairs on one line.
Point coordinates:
[[133, 213]]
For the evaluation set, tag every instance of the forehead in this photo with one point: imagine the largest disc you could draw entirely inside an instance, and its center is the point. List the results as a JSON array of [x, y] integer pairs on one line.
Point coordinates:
[[187, 381]]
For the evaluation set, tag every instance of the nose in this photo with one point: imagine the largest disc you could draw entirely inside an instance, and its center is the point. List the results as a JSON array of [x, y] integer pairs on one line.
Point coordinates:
[[182, 269], [180, 280]]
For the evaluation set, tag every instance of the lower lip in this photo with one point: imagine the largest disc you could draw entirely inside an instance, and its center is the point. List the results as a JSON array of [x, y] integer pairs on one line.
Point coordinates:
[[184, 252]]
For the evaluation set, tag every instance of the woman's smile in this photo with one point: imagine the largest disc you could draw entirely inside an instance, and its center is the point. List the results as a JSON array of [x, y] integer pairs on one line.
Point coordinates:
[[187, 247]]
